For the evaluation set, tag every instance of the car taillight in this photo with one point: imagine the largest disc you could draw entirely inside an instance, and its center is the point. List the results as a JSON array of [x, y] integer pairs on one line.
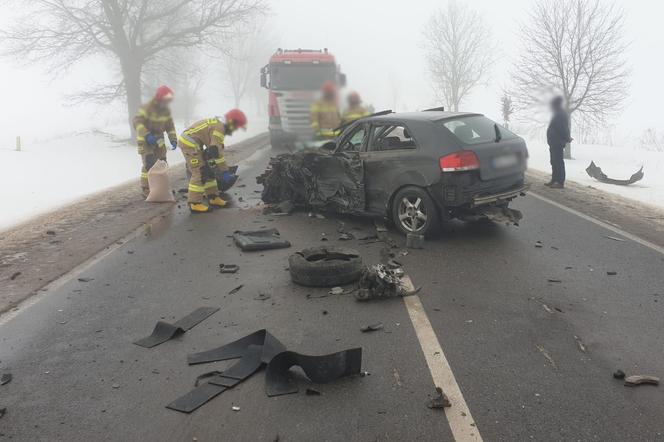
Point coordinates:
[[459, 161]]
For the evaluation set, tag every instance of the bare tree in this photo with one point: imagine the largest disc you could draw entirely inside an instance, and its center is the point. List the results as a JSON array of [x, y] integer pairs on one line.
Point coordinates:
[[459, 52], [507, 109], [246, 53], [132, 32], [575, 48]]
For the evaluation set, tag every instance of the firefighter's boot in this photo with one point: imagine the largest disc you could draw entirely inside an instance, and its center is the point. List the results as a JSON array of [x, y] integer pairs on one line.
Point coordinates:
[[199, 208], [216, 201]]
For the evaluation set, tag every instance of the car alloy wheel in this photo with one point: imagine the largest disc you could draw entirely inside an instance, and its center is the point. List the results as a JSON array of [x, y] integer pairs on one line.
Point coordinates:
[[412, 214]]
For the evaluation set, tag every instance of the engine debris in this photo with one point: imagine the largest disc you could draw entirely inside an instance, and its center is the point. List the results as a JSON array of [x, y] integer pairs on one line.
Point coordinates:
[[380, 281], [595, 171]]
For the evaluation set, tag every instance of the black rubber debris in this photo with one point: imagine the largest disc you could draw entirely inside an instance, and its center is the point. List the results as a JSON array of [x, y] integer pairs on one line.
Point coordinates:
[[85, 279], [228, 268], [15, 275], [320, 369], [372, 327], [3, 411], [6, 378], [312, 392], [165, 331], [236, 289], [237, 349], [207, 375], [612, 273], [196, 397], [619, 374], [260, 240], [439, 401]]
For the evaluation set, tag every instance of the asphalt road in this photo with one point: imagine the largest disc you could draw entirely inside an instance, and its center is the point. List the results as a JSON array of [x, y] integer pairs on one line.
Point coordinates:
[[532, 358]]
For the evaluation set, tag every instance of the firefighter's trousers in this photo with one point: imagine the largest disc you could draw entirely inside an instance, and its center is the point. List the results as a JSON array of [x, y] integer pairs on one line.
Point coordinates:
[[200, 183], [149, 156]]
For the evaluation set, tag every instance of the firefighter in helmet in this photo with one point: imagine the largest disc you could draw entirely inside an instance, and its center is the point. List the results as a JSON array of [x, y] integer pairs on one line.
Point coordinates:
[[325, 117], [355, 109], [151, 121], [202, 145]]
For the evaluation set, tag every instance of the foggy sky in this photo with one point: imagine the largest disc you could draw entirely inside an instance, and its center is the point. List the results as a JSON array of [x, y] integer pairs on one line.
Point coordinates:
[[377, 42]]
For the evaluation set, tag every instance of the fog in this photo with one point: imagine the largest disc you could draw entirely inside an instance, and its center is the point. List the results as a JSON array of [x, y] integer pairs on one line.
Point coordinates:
[[377, 43]]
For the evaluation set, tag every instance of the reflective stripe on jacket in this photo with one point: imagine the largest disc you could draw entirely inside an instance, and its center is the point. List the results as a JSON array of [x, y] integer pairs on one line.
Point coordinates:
[[354, 113], [325, 116], [154, 119]]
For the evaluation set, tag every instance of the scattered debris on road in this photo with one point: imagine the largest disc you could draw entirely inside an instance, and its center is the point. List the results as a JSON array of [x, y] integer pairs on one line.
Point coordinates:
[[235, 408], [580, 344], [165, 331], [3, 411], [502, 215], [85, 279], [596, 172], [336, 291], [372, 327], [614, 238], [555, 281], [260, 240], [440, 401], [414, 241], [262, 349], [325, 266], [611, 273], [283, 208], [15, 275], [6, 378], [634, 380], [539, 245], [228, 268], [380, 281], [619, 374], [312, 392], [262, 297], [236, 289]]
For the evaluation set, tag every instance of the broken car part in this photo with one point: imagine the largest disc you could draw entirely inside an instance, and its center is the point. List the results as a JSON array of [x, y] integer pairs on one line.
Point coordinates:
[[165, 331], [619, 374], [319, 369], [380, 281], [595, 171], [260, 240], [632, 381], [271, 346], [315, 179], [325, 266], [372, 327], [440, 400]]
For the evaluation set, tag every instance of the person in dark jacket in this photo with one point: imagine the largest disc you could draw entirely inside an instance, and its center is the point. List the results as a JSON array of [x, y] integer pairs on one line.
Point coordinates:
[[557, 136]]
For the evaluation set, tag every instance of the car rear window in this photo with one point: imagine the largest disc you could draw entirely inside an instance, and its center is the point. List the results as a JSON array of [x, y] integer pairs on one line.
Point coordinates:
[[476, 129]]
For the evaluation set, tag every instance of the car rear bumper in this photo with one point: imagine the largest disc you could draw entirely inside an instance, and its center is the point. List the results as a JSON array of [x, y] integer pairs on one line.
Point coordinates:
[[466, 191]]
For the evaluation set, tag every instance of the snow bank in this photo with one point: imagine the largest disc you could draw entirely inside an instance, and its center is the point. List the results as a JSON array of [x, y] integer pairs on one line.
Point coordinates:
[[47, 174], [616, 162]]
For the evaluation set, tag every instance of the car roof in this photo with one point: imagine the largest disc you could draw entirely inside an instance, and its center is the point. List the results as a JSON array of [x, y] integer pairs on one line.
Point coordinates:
[[422, 116]]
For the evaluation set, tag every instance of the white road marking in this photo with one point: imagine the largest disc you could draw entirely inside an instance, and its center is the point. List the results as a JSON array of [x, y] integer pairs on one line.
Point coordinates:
[[460, 420], [603, 224]]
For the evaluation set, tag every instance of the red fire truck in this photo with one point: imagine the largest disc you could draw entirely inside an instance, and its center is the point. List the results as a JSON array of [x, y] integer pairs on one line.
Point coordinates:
[[294, 79]]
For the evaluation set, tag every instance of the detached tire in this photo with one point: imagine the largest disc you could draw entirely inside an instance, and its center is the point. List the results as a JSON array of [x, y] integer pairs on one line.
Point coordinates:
[[413, 211], [325, 266]]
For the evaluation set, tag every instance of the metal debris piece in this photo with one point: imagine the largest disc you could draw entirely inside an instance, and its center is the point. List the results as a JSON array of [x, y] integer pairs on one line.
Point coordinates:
[[165, 331], [235, 408], [372, 327], [236, 289], [6, 378], [228, 268], [380, 281], [439, 401], [345, 237], [260, 240], [319, 369], [619, 374], [632, 381], [580, 344], [336, 291], [262, 297], [595, 171], [539, 244]]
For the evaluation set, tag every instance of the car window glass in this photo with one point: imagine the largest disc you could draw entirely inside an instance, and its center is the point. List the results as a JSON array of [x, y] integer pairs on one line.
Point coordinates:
[[354, 141], [391, 137], [476, 129]]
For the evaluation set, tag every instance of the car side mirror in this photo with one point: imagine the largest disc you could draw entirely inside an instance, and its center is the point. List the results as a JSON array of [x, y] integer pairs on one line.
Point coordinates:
[[264, 79]]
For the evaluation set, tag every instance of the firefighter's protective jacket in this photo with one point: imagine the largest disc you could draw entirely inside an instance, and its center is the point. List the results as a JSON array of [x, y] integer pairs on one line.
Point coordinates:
[[325, 118], [206, 133], [354, 113], [154, 119]]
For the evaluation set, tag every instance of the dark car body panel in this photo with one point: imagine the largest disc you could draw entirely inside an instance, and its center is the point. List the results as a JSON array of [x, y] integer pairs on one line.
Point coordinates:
[[387, 171]]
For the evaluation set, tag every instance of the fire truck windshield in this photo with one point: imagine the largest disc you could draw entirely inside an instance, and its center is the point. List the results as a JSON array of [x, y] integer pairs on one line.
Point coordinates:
[[300, 76]]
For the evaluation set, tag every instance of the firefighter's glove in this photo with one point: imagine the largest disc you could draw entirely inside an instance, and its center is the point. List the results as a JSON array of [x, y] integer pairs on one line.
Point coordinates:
[[151, 140]]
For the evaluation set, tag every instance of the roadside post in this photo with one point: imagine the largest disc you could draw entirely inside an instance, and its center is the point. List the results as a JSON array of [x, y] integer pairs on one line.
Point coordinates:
[[18, 143]]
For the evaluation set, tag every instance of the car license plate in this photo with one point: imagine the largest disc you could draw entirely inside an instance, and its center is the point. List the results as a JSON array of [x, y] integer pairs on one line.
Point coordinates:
[[505, 161]]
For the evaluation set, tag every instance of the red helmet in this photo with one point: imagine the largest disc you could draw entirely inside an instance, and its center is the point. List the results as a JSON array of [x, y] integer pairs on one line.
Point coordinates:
[[237, 117], [163, 93], [354, 98], [329, 88]]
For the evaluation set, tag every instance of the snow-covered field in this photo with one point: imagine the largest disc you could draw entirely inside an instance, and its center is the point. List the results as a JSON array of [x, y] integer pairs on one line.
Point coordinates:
[[47, 174], [616, 162]]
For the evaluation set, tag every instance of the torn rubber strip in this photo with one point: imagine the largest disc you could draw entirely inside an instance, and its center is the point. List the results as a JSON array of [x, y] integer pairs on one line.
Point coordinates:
[[320, 369], [236, 349], [242, 370], [165, 331]]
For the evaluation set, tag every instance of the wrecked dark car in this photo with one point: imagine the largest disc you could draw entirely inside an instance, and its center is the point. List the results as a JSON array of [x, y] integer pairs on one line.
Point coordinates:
[[417, 169]]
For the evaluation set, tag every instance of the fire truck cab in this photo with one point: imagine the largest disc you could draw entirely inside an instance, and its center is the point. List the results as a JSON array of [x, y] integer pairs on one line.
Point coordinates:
[[293, 79]]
